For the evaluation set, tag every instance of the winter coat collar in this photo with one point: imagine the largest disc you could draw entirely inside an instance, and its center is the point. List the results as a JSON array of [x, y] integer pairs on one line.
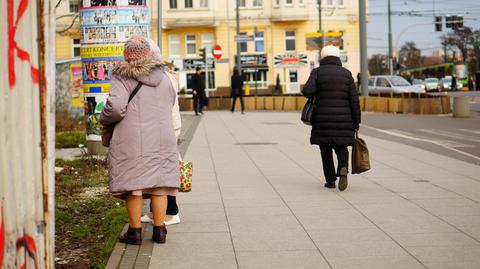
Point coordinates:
[[138, 68], [331, 60]]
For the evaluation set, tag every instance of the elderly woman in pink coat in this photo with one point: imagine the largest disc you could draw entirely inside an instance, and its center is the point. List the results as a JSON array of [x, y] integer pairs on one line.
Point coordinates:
[[143, 154]]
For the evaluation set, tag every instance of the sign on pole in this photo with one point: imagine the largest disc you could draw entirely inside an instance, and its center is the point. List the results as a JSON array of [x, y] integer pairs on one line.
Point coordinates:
[[244, 38], [217, 52]]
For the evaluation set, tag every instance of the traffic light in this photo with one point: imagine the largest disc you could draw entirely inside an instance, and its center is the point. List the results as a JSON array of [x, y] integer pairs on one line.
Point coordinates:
[[203, 55], [438, 23]]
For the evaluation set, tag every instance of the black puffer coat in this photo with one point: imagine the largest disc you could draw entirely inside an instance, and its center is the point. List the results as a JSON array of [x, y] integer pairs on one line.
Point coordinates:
[[337, 112]]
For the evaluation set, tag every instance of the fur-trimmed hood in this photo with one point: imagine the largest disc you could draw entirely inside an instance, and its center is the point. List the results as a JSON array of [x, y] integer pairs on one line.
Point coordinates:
[[147, 70]]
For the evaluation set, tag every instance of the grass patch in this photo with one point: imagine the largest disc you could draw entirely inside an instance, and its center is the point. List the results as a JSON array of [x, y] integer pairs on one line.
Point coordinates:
[[69, 139], [88, 218]]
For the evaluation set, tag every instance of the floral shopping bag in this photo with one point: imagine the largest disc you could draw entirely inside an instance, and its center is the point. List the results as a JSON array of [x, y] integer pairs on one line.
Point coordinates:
[[186, 173]]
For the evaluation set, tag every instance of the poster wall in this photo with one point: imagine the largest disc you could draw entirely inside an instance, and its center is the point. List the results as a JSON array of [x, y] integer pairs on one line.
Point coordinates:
[[105, 26]]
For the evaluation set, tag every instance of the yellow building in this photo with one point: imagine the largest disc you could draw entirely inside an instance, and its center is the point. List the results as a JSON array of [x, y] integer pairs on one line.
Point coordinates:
[[283, 39]]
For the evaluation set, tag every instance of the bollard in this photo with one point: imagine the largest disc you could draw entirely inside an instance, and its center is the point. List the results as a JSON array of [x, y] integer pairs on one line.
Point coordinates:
[[461, 107]]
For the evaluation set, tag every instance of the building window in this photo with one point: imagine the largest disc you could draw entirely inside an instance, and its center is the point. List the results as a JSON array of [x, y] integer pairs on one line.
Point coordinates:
[[340, 2], [301, 2], [191, 45], [288, 2], [174, 45], [242, 3], [173, 4], [207, 43], [256, 77], [290, 41], [329, 2], [257, 3], [76, 47], [74, 6], [259, 42], [244, 45], [277, 3], [204, 3], [188, 3]]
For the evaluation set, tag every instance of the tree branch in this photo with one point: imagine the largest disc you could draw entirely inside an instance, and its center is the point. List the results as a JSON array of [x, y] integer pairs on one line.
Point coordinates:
[[70, 26]]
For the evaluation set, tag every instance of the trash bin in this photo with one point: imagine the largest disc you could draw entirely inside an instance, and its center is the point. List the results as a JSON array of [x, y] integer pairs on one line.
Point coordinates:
[[246, 89], [461, 107]]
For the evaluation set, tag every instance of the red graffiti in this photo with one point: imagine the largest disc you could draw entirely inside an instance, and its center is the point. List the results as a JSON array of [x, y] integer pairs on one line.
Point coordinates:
[[13, 46], [2, 238], [28, 243]]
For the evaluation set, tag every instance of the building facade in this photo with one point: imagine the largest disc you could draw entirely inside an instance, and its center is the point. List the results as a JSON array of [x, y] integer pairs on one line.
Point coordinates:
[[283, 39]]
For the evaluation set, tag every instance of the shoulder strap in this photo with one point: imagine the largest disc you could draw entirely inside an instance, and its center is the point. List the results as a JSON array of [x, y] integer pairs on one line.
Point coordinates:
[[139, 85]]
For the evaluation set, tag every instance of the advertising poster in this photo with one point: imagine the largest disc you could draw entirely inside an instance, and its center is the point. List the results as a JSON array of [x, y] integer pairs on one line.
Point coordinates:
[[314, 40], [76, 87], [105, 26]]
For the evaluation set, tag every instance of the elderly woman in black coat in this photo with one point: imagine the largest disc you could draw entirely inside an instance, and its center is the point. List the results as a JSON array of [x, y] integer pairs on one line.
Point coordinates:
[[336, 116]]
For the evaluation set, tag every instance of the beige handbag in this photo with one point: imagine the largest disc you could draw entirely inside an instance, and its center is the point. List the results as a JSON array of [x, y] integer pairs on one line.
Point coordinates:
[[360, 156]]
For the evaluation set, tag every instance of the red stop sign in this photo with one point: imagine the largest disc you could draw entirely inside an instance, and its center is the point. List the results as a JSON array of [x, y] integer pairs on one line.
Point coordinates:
[[217, 52]]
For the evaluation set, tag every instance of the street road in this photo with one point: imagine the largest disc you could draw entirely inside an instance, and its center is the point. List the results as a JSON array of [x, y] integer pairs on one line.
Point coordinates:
[[442, 134]]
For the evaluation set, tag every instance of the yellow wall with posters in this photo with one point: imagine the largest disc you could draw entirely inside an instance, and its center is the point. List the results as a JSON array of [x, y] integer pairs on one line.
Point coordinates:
[[64, 47]]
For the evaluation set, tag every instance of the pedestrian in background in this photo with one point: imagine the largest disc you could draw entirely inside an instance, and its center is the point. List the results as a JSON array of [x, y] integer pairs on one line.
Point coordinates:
[[336, 115], [198, 87], [237, 90], [471, 84], [277, 84], [143, 154], [453, 86]]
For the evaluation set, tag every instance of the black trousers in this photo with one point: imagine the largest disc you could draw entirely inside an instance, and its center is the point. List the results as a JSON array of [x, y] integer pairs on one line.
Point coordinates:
[[198, 100], [327, 161], [235, 100], [172, 207]]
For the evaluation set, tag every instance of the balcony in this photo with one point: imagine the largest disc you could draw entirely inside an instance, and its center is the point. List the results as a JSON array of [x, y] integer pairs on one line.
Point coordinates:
[[174, 18], [285, 13]]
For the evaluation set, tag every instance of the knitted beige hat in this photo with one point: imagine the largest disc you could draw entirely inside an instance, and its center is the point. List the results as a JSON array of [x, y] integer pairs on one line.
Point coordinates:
[[330, 50], [136, 48]]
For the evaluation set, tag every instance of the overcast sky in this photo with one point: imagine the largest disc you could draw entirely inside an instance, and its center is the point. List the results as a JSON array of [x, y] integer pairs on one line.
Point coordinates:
[[423, 35]]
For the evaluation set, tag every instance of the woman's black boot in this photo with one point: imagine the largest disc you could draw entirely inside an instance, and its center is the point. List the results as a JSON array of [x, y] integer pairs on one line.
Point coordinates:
[[133, 236], [159, 234]]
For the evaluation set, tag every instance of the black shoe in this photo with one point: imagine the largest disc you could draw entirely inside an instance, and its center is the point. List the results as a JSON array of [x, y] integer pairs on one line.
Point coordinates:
[[133, 236], [343, 182], [159, 234], [330, 185]]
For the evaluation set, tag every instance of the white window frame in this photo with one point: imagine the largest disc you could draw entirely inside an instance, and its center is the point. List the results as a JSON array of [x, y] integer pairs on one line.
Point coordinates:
[[170, 6], [244, 3], [288, 4], [207, 43], [257, 6], [341, 3], [172, 43], [74, 46], [70, 3], [294, 38], [329, 3], [259, 38], [187, 42], [301, 3]]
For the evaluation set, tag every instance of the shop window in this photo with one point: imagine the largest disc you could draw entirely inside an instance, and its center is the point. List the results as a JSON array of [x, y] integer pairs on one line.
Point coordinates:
[[173, 4], [255, 75], [76, 47], [191, 45], [290, 41], [174, 45]]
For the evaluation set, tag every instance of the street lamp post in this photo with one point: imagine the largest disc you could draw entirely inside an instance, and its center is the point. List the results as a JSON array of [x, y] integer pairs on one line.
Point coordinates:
[[239, 64], [390, 49], [159, 31], [363, 47]]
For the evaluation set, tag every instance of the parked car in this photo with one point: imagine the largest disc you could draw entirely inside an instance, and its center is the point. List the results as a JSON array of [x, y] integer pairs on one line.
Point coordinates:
[[391, 84], [419, 83], [431, 84], [445, 84]]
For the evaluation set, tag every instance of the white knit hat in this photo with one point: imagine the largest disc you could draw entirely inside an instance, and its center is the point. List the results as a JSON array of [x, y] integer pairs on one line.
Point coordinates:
[[330, 50]]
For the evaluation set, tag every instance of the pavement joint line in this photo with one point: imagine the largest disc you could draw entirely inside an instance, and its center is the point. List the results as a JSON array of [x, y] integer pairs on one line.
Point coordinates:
[[279, 195], [423, 140], [221, 196], [424, 209]]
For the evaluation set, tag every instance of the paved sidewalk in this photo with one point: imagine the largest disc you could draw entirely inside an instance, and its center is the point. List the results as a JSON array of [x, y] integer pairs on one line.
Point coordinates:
[[258, 202]]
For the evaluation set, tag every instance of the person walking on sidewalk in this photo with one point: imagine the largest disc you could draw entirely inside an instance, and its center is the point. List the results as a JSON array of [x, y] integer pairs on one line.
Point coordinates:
[[198, 87], [172, 212], [336, 115], [143, 155], [237, 90]]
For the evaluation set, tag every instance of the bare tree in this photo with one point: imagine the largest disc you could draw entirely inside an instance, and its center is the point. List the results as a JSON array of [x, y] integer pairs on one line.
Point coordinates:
[[410, 56], [377, 64], [74, 17]]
